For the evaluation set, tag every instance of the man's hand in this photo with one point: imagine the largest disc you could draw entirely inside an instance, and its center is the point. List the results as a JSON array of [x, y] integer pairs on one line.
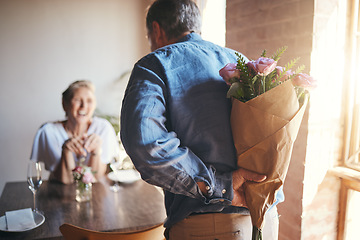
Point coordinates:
[[240, 176]]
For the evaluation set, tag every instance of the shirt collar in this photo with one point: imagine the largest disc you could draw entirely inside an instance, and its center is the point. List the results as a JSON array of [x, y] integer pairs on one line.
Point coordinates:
[[190, 37]]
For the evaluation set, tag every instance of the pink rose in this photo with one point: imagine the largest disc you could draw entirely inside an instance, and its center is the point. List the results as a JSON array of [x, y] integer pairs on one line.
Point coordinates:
[[286, 75], [88, 177], [228, 72], [304, 80], [263, 66]]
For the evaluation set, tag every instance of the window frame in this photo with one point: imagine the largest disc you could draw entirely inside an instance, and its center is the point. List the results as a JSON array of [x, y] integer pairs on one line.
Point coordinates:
[[351, 91], [349, 169]]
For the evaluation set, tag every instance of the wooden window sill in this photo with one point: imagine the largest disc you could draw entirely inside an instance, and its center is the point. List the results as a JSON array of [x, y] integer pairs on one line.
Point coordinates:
[[346, 173]]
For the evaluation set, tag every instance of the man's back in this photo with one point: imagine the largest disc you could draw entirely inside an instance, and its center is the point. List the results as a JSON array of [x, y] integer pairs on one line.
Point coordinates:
[[181, 99]]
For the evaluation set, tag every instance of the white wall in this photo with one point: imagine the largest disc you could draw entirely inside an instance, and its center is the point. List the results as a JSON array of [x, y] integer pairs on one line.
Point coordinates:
[[44, 46]]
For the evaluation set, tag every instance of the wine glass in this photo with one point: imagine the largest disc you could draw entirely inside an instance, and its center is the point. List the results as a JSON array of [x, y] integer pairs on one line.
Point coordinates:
[[34, 179], [116, 166]]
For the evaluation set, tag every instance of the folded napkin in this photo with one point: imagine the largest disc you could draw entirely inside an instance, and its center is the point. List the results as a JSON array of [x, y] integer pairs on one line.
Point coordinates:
[[20, 219]]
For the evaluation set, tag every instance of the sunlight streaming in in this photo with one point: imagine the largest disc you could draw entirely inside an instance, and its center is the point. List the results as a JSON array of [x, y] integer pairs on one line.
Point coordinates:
[[213, 17]]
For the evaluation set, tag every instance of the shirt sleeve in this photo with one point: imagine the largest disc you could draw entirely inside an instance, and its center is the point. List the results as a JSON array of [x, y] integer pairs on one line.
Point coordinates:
[[110, 143], [157, 152], [47, 147]]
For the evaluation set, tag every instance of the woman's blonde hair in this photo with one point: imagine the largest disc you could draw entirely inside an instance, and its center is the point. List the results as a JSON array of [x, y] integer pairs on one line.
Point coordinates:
[[68, 94]]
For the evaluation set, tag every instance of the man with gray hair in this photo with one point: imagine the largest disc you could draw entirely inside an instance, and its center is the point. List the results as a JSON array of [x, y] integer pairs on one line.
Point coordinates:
[[175, 126]]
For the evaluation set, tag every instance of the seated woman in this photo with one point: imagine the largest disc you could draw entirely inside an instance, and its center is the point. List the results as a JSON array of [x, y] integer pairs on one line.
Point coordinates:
[[61, 144]]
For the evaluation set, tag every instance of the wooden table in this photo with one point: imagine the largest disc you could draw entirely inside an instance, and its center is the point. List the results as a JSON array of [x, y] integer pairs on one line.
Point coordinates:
[[135, 206]]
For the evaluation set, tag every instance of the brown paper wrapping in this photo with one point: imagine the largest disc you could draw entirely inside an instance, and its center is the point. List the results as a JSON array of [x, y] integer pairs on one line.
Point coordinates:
[[264, 130]]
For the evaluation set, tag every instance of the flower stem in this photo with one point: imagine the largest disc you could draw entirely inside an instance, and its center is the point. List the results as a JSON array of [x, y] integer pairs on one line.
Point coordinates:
[[264, 83], [256, 234]]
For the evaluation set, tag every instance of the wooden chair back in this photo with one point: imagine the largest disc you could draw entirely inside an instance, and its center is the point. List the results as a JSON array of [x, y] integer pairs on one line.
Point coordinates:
[[72, 232]]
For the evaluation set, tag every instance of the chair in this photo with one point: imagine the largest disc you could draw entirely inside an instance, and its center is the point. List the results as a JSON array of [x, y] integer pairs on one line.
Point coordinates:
[[71, 232]]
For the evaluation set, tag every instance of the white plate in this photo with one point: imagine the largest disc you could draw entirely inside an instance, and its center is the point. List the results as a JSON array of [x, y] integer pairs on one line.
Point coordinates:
[[38, 217], [125, 176]]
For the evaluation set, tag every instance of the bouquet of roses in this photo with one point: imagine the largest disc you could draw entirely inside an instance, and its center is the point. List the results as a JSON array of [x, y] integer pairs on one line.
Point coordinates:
[[83, 174], [267, 109]]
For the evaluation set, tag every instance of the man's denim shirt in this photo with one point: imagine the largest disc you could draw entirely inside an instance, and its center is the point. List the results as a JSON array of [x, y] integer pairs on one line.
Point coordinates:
[[175, 126]]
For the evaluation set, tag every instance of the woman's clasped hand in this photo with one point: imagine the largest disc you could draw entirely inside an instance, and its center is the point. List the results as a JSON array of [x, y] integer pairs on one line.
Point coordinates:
[[83, 145]]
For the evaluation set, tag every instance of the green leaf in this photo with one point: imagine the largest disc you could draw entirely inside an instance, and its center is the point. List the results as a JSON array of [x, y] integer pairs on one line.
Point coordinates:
[[263, 54], [235, 91], [290, 64], [254, 79], [248, 92], [241, 63], [299, 69], [271, 80], [240, 91], [246, 84], [276, 56], [287, 67]]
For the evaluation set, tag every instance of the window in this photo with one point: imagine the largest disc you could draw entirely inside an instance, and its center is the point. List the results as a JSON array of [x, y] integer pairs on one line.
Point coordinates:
[[352, 124], [213, 20], [350, 172]]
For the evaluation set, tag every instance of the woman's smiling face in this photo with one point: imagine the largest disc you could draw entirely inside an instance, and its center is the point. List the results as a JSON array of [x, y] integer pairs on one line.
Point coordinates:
[[82, 105]]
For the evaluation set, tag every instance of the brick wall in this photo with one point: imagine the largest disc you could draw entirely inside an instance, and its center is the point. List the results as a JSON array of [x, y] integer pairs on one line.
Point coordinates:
[[312, 30], [254, 25]]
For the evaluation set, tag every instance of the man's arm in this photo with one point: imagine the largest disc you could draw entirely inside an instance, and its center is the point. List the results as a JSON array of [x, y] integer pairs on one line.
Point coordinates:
[[156, 152], [239, 177]]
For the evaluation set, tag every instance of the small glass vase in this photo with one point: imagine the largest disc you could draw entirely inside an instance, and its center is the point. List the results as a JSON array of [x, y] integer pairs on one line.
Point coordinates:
[[83, 191]]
